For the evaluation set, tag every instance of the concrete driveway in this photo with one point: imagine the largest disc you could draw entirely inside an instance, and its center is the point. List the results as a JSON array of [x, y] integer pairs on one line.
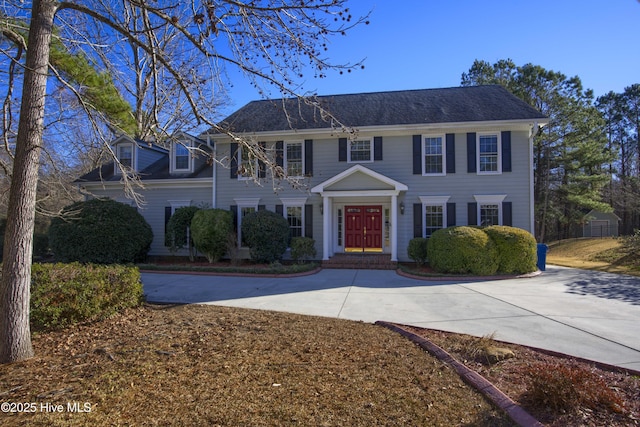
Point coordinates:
[[582, 313]]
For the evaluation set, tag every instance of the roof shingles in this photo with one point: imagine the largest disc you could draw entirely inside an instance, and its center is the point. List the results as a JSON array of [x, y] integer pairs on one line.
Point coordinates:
[[426, 106]]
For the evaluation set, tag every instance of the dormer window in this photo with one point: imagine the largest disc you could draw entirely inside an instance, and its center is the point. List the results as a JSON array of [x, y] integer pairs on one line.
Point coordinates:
[[125, 157], [181, 160]]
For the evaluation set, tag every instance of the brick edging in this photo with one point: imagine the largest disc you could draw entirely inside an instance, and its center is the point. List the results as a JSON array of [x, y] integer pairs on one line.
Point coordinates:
[[230, 274], [511, 408], [462, 278]]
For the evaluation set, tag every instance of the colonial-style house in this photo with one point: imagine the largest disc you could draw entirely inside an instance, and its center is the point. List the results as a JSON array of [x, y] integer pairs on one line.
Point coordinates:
[[417, 161]]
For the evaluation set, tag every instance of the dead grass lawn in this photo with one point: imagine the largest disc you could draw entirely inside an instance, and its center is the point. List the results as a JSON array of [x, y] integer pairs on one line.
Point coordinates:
[[205, 365]]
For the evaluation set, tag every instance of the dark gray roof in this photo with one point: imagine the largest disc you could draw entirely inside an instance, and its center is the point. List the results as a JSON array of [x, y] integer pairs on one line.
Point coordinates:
[[427, 106], [157, 170]]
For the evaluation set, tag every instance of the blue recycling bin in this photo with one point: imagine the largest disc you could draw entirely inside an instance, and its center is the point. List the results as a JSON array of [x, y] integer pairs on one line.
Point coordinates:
[[542, 256]]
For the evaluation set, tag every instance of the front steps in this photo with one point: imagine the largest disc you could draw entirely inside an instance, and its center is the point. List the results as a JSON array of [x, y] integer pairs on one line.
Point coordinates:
[[361, 261]]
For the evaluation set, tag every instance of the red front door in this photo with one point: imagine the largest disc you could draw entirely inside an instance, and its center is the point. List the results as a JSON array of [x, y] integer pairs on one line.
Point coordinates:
[[363, 228]]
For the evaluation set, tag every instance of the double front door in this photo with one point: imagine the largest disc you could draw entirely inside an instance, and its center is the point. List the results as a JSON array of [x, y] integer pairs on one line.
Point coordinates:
[[363, 228]]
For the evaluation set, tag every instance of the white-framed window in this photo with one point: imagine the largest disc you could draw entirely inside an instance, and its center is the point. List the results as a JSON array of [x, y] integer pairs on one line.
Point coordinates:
[[434, 213], [360, 151], [433, 155], [125, 154], [181, 160], [489, 155], [293, 211], [247, 164], [294, 158], [490, 209], [246, 206]]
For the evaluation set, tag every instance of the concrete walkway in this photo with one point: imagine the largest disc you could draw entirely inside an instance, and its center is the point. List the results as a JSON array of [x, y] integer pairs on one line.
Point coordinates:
[[582, 313]]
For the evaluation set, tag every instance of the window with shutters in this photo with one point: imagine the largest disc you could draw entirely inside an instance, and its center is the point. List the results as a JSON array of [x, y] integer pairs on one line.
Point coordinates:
[[488, 149], [247, 164], [293, 211], [434, 213], [489, 210], [294, 159], [360, 151], [433, 153]]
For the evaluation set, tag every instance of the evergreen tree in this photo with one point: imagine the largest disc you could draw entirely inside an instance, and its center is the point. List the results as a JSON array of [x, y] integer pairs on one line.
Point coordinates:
[[569, 153]]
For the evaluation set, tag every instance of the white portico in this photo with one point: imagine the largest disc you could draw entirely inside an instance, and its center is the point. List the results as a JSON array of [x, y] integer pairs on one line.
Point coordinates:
[[360, 212]]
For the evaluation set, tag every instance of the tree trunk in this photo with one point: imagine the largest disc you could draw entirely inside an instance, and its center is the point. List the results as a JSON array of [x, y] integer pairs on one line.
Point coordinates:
[[15, 335]]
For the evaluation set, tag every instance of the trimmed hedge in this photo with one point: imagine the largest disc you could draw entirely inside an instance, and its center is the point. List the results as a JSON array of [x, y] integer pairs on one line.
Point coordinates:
[[417, 250], [462, 250], [517, 249], [100, 231], [66, 294], [267, 235], [210, 229]]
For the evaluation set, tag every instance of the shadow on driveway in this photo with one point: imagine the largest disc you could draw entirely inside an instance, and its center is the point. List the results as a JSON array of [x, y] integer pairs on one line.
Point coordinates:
[[605, 285]]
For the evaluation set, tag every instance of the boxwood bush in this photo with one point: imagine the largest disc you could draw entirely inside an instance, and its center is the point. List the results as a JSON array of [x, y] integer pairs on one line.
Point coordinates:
[[100, 231], [210, 229], [66, 294], [303, 248], [267, 235], [462, 250], [417, 250], [517, 249]]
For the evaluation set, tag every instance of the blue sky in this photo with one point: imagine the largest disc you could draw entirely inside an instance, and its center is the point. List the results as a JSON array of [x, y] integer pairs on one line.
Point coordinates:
[[415, 44]]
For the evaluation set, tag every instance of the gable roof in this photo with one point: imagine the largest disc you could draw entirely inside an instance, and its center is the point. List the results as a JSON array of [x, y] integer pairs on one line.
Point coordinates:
[[426, 106]]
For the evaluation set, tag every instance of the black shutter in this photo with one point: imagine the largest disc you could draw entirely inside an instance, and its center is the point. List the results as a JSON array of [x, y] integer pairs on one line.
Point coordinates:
[[308, 157], [471, 152], [234, 216], [417, 156], [451, 153], [167, 216], [280, 154], [308, 221], [506, 151], [377, 148], [451, 214], [233, 157], [507, 210], [280, 210], [342, 149], [417, 220], [472, 214], [262, 169]]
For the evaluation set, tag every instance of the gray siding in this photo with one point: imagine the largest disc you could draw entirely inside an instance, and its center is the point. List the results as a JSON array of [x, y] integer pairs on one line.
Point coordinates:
[[154, 209], [397, 165]]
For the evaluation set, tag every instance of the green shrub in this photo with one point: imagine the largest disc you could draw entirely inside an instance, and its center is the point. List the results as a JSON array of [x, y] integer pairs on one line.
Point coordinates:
[[210, 229], [417, 250], [175, 238], [267, 235], [303, 248], [462, 250], [100, 231], [66, 294], [517, 249]]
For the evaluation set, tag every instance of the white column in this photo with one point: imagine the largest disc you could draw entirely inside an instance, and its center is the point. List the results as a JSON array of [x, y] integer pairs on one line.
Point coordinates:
[[326, 227], [394, 228]]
